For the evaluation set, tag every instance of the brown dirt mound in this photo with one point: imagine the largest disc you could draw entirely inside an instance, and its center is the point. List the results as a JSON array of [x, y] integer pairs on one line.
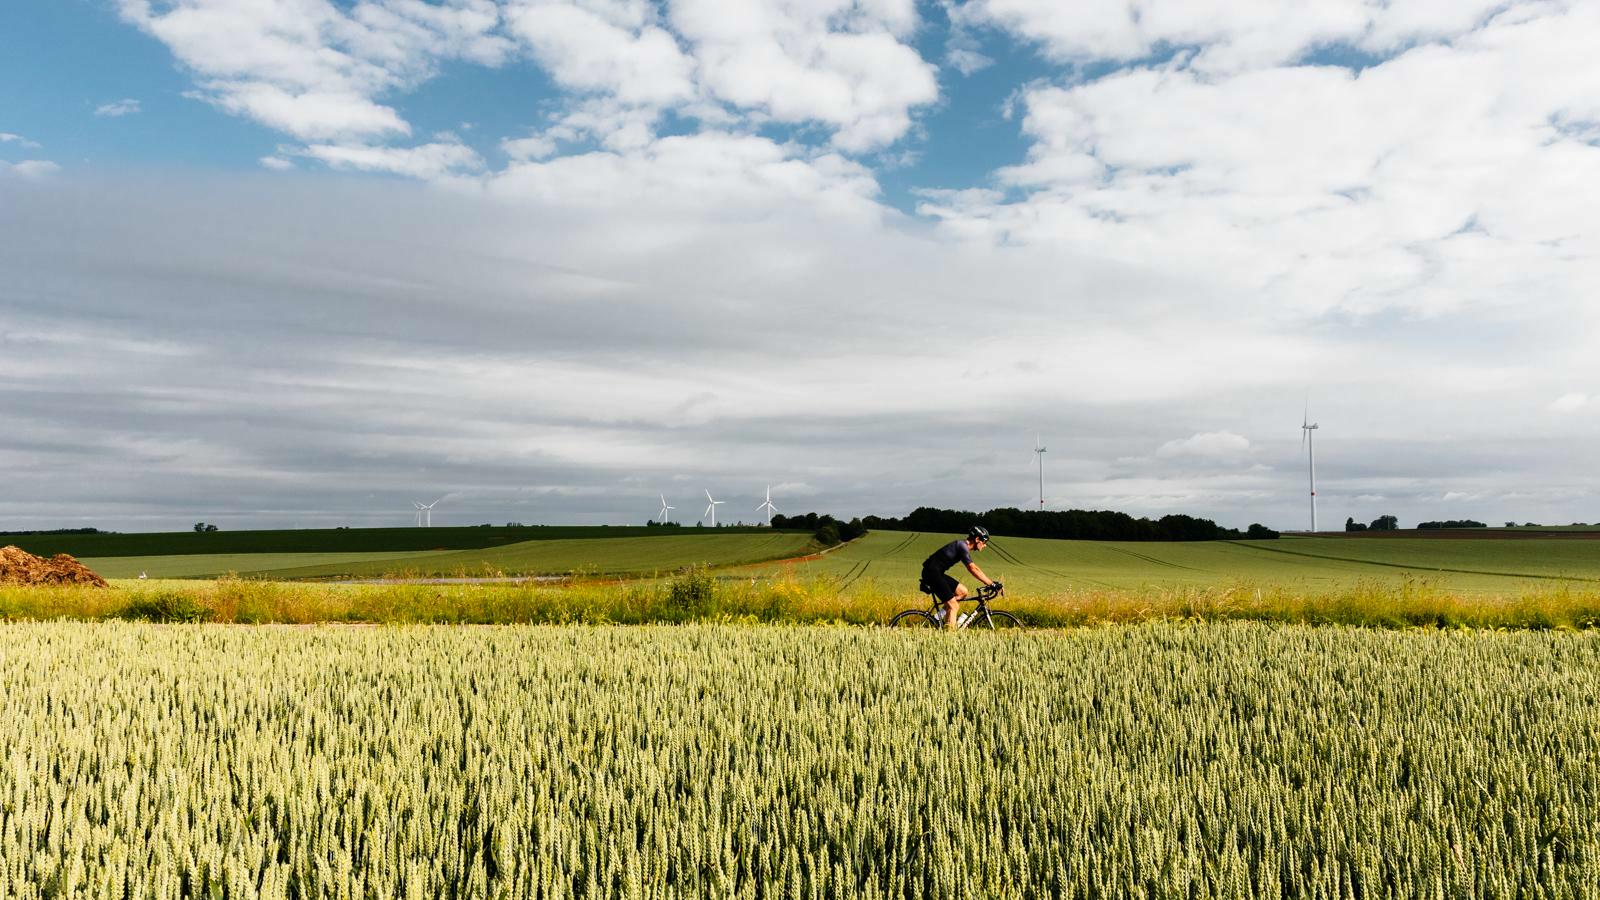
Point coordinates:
[[18, 566]]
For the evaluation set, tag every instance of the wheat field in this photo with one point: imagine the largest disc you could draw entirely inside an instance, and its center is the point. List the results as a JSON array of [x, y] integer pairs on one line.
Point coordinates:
[[1157, 759]]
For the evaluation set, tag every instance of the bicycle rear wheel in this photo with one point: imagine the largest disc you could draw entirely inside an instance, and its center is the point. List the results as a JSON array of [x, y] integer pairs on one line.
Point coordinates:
[[1000, 619], [913, 618]]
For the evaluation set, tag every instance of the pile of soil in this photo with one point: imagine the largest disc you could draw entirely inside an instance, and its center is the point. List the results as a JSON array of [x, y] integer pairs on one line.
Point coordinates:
[[18, 566]]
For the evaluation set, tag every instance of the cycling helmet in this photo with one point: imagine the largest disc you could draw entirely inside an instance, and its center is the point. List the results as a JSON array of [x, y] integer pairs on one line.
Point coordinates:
[[977, 533]]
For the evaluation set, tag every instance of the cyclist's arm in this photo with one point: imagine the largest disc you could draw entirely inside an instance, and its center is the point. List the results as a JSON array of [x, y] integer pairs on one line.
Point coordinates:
[[978, 573]]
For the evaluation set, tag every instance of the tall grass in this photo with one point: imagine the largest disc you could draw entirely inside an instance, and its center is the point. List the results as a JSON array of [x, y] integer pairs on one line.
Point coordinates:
[[700, 595]]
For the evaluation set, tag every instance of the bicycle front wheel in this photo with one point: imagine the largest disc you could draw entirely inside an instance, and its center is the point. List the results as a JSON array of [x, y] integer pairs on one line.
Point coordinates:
[[999, 619], [913, 618]]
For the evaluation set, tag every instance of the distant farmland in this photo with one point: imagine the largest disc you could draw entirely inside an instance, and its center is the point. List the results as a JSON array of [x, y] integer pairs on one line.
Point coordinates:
[[1033, 565], [880, 561], [334, 540], [626, 555]]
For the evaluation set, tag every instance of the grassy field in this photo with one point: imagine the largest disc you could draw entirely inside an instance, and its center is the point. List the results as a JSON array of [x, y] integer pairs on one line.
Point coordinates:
[[1308, 565], [1167, 760], [211, 565], [593, 555], [330, 540]]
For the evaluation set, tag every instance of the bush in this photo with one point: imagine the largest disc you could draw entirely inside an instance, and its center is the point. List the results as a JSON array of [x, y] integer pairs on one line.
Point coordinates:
[[168, 606], [694, 592]]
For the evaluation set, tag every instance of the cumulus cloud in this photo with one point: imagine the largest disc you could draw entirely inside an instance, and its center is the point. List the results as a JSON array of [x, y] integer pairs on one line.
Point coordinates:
[[615, 48], [315, 69], [841, 63], [9, 138], [1216, 445], [124, 107], [29, 168], [276, 163], [1425, 184], [427, 161], [1228, 36]]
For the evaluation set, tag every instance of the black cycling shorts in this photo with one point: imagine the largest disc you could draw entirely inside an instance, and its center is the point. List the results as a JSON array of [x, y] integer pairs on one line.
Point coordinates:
[[938, 584]]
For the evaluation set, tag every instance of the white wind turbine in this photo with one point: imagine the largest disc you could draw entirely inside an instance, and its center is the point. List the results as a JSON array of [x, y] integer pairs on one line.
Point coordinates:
[[425, 509], [664, 509], [1308, 441], [768, 506], [1039, 451], [711, 508]]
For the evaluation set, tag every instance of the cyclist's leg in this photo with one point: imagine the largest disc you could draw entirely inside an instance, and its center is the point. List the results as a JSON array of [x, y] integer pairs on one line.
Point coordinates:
[[952, 606], [945, 591]]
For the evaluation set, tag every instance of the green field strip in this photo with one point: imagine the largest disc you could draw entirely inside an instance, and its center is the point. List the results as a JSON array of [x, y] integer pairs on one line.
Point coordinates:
[[1414, 566], [625, 556], [215, 564], [856, 572], [1152, 559], [1012, 558], [338, 540]]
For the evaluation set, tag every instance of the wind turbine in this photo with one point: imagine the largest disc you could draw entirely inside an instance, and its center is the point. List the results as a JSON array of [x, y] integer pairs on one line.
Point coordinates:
[[1039, 451], [768, 506], [665, 509], [425, 509], [711, 508], [1308, 441]]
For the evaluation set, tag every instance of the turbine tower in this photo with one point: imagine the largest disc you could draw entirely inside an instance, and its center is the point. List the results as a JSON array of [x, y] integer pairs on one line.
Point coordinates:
[[1308, 441], [768, 506], [425, 509], [665, 509], [711, 508], [1039, 451]]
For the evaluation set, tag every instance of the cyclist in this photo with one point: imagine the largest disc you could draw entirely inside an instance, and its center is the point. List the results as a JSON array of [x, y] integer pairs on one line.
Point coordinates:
[[946, 589]]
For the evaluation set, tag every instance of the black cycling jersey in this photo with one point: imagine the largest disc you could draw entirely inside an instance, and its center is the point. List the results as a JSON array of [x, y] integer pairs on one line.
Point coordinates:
[[943, 558]]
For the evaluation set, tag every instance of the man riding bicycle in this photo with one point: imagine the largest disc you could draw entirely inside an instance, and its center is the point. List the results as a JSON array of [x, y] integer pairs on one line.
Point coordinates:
[[946, 589]]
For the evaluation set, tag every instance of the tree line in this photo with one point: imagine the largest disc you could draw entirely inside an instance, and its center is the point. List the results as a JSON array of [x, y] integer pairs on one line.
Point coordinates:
[[1068, 524], [825, 529]]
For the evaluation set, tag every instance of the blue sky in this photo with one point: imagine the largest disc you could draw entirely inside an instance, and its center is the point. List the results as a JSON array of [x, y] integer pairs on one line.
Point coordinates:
[[626, 247], [62, 61]]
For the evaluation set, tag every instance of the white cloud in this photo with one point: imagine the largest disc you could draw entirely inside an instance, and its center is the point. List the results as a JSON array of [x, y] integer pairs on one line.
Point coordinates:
[[276, 163], [533, 147], [1571, 402], [1427, 184], [308, 115], [124, 107], [1231, 35], [610, 46], [1214, 445], [19, 140], [427, 161], [836, 62], [29, 168], [312, 68]]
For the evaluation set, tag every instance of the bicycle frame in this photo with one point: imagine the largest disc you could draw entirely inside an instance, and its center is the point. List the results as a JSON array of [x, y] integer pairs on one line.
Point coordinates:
[[983, 596]]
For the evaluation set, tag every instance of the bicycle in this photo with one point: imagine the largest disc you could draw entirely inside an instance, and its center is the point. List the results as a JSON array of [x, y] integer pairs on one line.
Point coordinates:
[[982, 617]]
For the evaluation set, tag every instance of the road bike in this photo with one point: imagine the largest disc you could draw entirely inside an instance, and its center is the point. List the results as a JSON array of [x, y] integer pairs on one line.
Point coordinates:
[[982, 617]]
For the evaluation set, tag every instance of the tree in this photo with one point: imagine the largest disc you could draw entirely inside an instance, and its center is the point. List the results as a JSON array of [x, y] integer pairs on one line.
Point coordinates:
[[1259, 532], [1350, 524], [1385, 523], [202, 526]]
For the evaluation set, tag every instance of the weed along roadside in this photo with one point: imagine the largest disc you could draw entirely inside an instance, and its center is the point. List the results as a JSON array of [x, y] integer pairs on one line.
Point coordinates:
[[705, 595]]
